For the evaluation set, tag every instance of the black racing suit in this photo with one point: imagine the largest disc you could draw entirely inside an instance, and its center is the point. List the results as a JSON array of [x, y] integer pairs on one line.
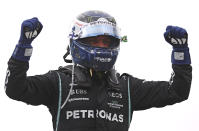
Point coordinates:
[[101, 102]]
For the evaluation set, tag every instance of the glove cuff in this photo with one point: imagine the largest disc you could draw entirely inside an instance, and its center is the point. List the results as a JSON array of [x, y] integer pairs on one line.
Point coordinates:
[[180, 56], [22, 52]]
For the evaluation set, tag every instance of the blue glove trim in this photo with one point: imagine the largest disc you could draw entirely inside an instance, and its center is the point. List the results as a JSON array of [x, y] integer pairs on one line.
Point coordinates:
[[180, 56], [22, 52]]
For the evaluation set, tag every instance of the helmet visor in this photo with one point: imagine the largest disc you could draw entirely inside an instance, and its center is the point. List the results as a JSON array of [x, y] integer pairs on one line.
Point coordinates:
[[101, 41]]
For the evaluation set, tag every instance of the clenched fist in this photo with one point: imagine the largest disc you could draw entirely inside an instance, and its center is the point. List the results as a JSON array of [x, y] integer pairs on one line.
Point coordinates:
[[178, 38], [30, 29]]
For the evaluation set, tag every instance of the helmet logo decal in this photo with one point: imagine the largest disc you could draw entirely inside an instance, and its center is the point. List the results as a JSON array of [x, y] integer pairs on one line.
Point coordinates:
[[103, 19], [101, 59], [76, 31], [73, 34]]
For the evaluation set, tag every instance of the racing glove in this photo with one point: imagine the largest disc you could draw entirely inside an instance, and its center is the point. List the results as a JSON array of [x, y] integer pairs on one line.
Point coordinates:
[[178, 38], [30, 29]]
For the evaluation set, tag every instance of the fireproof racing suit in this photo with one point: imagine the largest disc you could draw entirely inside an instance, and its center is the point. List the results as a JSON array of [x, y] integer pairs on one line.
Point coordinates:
[[102, 102]]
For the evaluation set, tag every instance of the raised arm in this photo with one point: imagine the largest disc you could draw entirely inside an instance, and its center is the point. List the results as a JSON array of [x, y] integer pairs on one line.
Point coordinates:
[[147, 94], [33, 90]]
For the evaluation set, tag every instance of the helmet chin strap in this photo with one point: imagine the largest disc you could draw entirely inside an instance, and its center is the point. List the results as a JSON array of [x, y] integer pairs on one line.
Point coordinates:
[[67, 53]]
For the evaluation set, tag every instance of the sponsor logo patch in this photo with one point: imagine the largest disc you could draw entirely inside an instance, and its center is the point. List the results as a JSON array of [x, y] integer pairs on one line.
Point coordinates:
[[115, 104], [91, 114]]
